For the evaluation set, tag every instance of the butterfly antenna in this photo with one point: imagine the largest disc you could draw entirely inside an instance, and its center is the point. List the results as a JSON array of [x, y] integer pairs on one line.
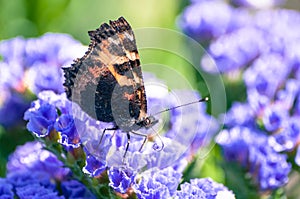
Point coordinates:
[[205, 99]]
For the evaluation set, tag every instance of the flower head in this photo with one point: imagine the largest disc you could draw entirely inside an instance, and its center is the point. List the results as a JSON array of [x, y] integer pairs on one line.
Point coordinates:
[[31, 66], [155, 183], [75, 190], [190, 191], [37, 191], [6, 189], [12, 107], [32, 157], [121, 178], [251, 149], [206, 19], [41, 119], [65, 124], [204, 188]]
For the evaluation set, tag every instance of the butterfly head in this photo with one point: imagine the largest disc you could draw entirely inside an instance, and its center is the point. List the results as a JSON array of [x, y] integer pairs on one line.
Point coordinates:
[[147, 122]]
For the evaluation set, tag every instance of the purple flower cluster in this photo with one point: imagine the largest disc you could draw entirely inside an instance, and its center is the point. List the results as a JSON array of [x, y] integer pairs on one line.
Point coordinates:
[[156, 183], [261, 132], [78, 141], [32, 172], [29, 66], [235, 38], [25, 185], [252, 150], [204, 188], [53, 114], [31, 157], [121, 179], [258, 131]]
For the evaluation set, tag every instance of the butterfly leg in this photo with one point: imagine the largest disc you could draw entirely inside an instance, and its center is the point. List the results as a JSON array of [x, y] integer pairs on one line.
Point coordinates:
[[106, 129], [127, 145], [126, 148], [145, 139], [128, 142]]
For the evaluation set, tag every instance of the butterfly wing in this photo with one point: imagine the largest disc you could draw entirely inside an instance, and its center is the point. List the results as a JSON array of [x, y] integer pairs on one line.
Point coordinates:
[[107, 81]]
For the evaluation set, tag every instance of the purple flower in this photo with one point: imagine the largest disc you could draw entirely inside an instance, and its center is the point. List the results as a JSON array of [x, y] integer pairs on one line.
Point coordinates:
[[258, 4], [235, 50], [41, 119], [251, 149], [169, 156], [206, 19], [12, 107], [96, 151], [93, 166], [204, 188], [75, 190], [76, 128], [134, 160], [6, 190], [212, 189], [11, 67], [240, 114], [120, 179], [190, 191], [279, 33], [12, 75], [45, 56], [288, 95], [19, 179], [38, 185], [45, 77], [31, 157], [287, 137], [13, 49], [60, 101], [274, 117], [67, 128], [257, 77], [235, 143], [52, 49], [157, 183], [168, 153], [32, 185], [37, 191], [268, 167]]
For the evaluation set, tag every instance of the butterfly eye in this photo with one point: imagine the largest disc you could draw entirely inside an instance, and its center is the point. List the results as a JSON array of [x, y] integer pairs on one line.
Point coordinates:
[[147, 121]]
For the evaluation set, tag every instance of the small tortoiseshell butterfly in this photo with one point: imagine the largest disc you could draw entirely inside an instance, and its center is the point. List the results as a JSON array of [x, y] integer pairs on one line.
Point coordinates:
[[107, 81]]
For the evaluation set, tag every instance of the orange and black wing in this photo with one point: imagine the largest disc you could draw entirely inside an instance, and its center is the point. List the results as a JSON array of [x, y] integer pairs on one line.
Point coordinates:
[[107, 81]]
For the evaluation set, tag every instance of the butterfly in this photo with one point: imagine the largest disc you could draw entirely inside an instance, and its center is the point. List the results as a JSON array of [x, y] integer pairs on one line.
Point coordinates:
[[107, 82]]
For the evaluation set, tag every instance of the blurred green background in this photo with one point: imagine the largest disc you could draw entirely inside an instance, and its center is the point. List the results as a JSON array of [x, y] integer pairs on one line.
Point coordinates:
[[32, 18]]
